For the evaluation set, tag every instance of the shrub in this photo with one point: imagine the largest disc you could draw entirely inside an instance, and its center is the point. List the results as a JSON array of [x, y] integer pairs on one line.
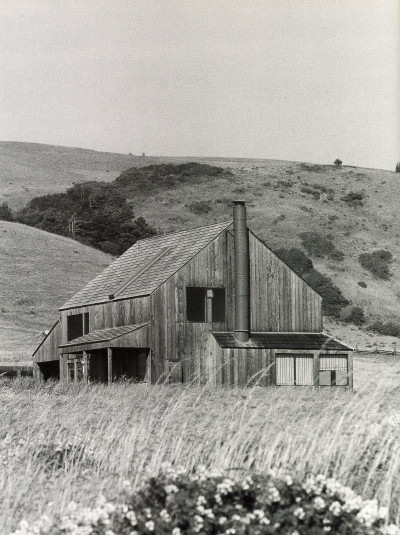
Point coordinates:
[[6, 213], [398, 167], [211, 504], [353, 314], [353, 198], [200, 207], [338, 162], [377, 262], [332, 298], [362, 284], [388, 328], [102, 215], [320, 246], [299, 262]]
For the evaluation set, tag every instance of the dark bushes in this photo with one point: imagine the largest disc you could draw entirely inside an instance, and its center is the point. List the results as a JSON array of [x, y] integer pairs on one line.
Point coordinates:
[[320, 246], [332, 298], [102, 217], [353, 314], [388, 328], [353, 199], [377, 262], [6, 213]]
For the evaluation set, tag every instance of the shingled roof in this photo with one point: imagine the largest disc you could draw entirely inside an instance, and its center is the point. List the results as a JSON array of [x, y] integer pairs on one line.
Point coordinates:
[[146, 265], [309, 341]]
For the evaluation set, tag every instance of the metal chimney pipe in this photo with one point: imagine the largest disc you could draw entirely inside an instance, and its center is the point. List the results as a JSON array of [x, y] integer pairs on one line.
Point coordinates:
[[242, 272]]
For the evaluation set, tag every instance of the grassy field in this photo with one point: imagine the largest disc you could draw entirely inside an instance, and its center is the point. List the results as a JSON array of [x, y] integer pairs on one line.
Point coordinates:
[[68, 442]]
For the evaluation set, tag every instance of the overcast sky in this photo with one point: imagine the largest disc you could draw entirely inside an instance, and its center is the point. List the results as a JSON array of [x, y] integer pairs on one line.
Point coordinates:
[[308, 80]]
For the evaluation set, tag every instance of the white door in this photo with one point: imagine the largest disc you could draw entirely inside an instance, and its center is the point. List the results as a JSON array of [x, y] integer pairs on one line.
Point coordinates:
[[304, 371], [285, 370]]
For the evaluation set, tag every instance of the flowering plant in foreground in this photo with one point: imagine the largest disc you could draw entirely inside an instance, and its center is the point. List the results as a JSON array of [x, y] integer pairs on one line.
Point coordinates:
[[210, 503]]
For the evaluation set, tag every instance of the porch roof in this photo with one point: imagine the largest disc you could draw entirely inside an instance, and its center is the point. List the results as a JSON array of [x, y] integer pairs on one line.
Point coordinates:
[[103, 335], [289, 341]]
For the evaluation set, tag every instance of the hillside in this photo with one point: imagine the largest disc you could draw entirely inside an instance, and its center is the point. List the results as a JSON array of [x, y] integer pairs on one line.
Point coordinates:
[[39, 272], [284, 199]]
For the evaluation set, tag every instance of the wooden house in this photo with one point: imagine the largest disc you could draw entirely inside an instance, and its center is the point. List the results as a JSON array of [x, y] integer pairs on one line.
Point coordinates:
[[210, 304]]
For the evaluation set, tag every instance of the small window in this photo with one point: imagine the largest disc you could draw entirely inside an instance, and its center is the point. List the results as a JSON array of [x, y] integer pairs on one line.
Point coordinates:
[[75, 369], [205, 305], [294, 370], [333, 370], [77, 325]]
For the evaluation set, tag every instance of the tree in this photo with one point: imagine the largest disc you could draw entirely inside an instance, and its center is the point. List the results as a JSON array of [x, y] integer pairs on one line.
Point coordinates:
[[398, 167], [338, 162], [6, 213]]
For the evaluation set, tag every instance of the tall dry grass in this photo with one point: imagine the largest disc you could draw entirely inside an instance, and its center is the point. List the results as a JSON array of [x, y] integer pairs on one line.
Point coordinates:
[[68, 442]]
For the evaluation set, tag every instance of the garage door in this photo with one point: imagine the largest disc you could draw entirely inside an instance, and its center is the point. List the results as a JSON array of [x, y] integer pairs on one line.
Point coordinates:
[[294, 370]]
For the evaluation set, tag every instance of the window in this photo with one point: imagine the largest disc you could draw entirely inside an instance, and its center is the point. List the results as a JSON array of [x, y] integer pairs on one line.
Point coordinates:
[[75, 369], [294, 370], [205, 304], [77, 325], [333, 370]]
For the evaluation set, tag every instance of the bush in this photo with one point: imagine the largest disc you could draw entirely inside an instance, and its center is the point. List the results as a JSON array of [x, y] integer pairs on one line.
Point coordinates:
[[378, 263], [338, 162], [332, 298], [353, 198], [102, 214], [200, 207], [398, 167], [6, 213], [389, 328], [296, 260], [320, 246], [211, 504], [362, 284], [353, 314]]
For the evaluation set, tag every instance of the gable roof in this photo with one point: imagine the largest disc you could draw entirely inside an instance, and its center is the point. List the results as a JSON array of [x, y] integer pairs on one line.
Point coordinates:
[[146, 265]]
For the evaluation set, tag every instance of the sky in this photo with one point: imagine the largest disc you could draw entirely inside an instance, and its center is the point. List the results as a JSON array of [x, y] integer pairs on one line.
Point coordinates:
[[305, 80]]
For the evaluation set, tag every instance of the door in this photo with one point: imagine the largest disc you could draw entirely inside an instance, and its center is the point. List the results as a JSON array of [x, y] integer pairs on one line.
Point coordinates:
[[294, 370]]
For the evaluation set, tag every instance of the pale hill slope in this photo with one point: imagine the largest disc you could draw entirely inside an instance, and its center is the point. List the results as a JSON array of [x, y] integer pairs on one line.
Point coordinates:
[[278, 212], [39, 272], [28, 170]]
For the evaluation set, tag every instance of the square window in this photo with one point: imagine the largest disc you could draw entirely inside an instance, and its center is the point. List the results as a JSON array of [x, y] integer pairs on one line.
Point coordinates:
[[196, 304], [205, 305]]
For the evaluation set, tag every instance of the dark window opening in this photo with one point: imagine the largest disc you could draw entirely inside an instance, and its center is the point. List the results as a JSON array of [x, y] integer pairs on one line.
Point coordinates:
[[196, 304], [205, 305], [77, 325]]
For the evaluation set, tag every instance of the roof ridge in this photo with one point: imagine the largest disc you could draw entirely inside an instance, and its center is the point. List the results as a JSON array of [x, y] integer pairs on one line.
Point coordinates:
[[159, 236]]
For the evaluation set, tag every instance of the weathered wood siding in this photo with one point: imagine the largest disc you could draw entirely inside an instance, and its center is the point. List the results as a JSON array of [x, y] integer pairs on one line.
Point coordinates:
[[48, 350], [280, 300], [110, 314], [177, 340]]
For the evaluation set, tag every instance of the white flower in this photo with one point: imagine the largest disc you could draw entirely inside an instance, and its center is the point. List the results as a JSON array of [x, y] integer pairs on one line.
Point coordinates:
[[169, 489], [222, 519], [176, 531], [288, 481], [299, 512], [150, 525], [335, 508], [130, 515], [319, 503]]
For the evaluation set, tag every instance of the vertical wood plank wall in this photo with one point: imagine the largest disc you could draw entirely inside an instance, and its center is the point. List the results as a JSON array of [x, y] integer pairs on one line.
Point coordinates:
[[48, 350]]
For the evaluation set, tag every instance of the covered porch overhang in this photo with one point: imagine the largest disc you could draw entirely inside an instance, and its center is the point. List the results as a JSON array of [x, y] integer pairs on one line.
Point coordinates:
[[109, 354], [135, 336]]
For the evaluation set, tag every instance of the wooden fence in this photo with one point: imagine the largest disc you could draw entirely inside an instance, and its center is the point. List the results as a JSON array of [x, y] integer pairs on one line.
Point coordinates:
[[16, 371], [377, 350]]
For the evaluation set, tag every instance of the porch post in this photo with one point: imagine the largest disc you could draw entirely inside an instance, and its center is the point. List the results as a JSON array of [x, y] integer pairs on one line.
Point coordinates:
[[85, 367], [75, 369], [109, 360]]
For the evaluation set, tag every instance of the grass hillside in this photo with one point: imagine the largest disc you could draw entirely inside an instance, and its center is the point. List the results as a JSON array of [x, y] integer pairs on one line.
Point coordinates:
[[284, 200], [39, 272]]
